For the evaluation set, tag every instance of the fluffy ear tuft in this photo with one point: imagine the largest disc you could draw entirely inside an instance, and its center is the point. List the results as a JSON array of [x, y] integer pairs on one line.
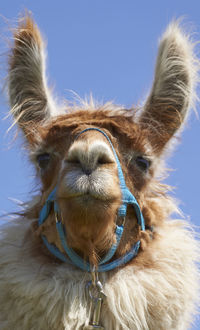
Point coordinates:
[[174, 87], [29, 96]]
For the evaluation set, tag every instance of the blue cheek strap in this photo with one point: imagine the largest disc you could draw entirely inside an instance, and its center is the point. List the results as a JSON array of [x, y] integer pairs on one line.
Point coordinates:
[[74, 258]]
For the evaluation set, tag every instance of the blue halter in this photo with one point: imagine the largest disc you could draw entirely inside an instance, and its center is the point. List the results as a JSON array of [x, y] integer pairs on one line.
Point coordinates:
[[74, 258]]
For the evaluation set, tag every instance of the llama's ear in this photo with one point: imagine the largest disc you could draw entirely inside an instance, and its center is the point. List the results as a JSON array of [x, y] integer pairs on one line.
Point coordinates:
[[29, 96], [173, 92]]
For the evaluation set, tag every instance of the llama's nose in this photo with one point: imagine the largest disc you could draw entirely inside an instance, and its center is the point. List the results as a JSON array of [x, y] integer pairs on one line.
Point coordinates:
[[90, 156]]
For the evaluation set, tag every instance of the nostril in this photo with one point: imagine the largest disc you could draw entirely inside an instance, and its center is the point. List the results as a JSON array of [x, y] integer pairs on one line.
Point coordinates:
[[104, 158], [73, 161]]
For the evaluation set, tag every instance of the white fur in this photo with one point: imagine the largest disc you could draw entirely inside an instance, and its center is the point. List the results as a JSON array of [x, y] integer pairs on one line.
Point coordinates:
[[89, 152], [38, 295], [176, 73], [99, 184]]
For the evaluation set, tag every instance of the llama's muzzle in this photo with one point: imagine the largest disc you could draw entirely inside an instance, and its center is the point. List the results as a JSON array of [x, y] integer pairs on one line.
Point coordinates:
[[104, 264]]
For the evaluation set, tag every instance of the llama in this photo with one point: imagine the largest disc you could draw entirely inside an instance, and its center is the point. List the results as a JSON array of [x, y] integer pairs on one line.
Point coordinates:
[[97, 248]]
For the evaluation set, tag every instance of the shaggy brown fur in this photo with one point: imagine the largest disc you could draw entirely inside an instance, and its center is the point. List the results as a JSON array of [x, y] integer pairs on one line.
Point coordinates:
[[89, 232], [85, 171], [85, 226]]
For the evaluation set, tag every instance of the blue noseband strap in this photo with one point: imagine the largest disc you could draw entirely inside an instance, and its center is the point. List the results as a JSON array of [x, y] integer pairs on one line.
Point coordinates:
[[127, 196], [74, 258]]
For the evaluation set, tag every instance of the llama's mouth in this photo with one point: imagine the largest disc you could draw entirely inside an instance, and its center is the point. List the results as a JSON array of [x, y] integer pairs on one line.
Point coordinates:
[[97, 187], [87, 197]]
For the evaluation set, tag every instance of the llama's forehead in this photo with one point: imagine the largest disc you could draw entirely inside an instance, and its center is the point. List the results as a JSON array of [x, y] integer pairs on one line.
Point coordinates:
[[122, 129]]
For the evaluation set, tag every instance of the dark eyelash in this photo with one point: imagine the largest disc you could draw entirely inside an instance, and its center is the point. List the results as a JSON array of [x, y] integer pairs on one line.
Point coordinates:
[[143, 163], [43, 160]]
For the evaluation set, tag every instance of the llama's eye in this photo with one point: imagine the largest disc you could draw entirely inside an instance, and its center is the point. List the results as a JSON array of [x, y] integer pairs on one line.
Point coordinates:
[[142, 163], [43, 160]]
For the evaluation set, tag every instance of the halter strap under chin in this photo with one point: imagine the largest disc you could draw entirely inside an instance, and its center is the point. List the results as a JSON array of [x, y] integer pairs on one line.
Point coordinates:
[[74, 258]]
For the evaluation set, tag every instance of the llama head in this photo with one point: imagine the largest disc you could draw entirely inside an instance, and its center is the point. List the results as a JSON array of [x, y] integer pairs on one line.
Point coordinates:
[[83, 167]]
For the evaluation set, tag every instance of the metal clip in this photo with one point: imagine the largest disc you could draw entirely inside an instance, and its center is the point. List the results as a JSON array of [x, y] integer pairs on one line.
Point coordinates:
[[56, 216], [96, 295]]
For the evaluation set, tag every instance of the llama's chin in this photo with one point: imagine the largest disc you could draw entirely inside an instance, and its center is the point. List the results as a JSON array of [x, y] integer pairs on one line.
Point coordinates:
[[88, 211], [89, 205], [89, 223]]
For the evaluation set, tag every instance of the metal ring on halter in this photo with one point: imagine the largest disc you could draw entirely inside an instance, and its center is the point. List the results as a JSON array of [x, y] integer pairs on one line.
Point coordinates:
[[123, 222], [94, 285], [95, 291], [56, 216]]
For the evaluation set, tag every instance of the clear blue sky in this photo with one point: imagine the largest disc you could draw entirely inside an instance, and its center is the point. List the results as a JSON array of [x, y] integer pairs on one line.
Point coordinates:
[[107, 47]]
